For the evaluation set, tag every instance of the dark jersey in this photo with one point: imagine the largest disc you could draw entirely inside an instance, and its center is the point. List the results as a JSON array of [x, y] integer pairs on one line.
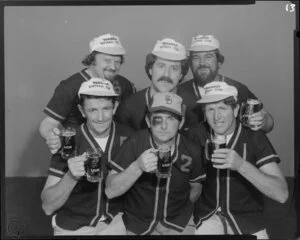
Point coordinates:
[[240, 202], [151, 199], [87, 202], [63, 104], [190, 94], [132, 110]]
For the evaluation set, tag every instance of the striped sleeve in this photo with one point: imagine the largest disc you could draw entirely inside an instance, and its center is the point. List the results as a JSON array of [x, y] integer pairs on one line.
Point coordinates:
[[61, 102], [58, 166], [198, 171], [264, 151], [125, 155]]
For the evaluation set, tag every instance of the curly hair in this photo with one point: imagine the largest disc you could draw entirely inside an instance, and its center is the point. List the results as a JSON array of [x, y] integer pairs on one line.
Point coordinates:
[[151, 58], [90, 58]]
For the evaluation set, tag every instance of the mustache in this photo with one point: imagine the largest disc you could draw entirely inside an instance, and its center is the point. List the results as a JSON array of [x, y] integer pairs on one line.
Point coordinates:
[[203, 66], [167, 79], [110, 69]]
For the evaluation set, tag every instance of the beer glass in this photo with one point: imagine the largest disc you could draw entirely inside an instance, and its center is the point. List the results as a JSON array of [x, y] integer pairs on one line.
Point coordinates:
[[213, 143], [247, 109], [68, 143], [164, 163], [93, 165]]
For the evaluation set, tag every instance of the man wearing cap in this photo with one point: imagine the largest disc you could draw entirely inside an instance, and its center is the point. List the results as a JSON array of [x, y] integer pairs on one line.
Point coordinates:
[[104, 61], [205, 61], [153, 205], [237, 176], [80, 207], [165, 66]]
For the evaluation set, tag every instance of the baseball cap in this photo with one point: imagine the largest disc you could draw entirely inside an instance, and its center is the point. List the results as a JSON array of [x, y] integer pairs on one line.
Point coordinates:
[[217, 91], [168, 102], [169, 49], [97, 87], [107, 43], [204, 43]]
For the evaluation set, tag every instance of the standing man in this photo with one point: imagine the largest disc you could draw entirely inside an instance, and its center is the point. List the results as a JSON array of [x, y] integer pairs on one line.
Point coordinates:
[[158, 206], [237, 176], [165, 66], [104, 61], [205, 61], [80, 207]]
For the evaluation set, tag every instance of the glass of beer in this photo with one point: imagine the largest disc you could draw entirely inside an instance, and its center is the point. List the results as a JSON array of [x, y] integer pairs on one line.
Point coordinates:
[[68, 143], [164, 163], [93, 165], [247, 109], [213, 143]]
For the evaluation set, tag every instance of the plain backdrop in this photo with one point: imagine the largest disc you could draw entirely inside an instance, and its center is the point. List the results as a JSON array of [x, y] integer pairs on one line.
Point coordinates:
[[44, 45]]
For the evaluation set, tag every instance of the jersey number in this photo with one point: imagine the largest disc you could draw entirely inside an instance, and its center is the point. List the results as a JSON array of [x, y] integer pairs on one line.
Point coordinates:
[[187, 162]]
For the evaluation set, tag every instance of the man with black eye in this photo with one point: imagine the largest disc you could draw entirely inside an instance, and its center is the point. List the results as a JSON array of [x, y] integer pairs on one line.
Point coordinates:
[[154, 205]]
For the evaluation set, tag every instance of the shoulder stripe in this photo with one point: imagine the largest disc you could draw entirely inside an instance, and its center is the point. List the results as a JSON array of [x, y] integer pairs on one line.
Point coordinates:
[[266, 158], [116, 166], [53, 113], [56, 171], [147, 93], [85, 77]]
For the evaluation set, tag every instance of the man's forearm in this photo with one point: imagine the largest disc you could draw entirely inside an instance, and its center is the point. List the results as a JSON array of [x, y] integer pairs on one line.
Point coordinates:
[[118, 183], [272, 186], [55, 196]]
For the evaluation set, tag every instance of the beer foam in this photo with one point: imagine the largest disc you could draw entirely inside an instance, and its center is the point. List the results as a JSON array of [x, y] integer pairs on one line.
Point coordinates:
[[253, 101], [68, 134], [219, 139]]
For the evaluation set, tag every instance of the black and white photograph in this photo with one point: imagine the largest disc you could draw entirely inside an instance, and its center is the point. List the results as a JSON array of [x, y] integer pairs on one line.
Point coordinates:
[[150, 119]]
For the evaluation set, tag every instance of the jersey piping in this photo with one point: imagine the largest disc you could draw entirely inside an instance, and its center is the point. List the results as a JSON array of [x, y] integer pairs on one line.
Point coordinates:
[[95, 145]]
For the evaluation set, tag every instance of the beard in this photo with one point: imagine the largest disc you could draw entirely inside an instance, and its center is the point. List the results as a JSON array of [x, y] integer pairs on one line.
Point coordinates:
[[205, 77]]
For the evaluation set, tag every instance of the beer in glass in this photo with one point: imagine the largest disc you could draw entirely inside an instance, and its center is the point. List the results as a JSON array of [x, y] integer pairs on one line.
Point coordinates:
[[213, 143], [247, 109], [93, 165], [68, 143], [164, 163]]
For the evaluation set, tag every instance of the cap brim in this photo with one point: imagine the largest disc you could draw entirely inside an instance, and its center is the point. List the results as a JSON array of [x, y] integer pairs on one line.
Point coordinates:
[[111, 50], [214, 98], [162, 108], [169, 56], [98, 93], [202, 48]]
